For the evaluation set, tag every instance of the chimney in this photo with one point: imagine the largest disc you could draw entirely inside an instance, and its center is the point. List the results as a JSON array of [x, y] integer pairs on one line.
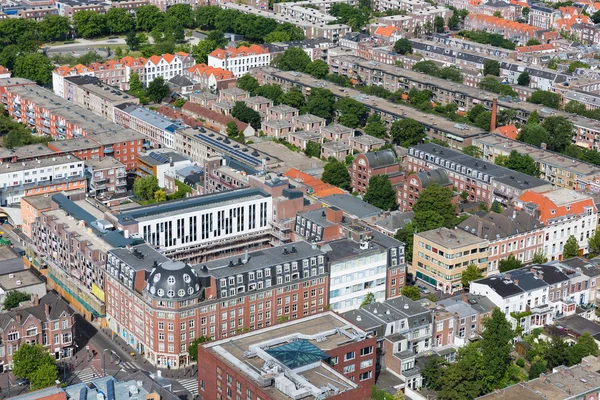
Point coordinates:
[[465, 298], [543, 146], [18, 318], [494, 113], [47, 309], [480, 228], [334, 215], [35, 300]]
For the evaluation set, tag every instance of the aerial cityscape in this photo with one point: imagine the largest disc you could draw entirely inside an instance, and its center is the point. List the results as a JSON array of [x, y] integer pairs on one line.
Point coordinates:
[[311, 199]]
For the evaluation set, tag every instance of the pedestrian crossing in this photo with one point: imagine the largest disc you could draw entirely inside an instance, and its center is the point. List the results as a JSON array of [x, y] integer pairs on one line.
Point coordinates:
[[191, 385], [128, 365], [87, 375]]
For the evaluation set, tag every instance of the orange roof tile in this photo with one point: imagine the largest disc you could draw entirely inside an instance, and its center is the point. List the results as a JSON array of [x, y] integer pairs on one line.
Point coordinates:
[[3, 70], [508, 131], [218, 73], [539, 47], [168, 57], [155, 59], [320, 188], [241, 51], [182, 54], [549, 210], [386, 31]]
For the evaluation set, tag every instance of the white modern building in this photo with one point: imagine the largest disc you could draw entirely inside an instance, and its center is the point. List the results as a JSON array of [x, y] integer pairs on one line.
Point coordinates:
[[240, 60], [167, 66], [17, 178]]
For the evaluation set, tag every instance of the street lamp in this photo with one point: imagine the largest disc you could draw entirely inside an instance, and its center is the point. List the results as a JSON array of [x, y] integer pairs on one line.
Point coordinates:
[[104, 362]]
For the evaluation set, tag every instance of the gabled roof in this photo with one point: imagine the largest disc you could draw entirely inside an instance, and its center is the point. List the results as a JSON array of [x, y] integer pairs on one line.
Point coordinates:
[[508, 131], [557, 203], [242, 51], [386, 31]]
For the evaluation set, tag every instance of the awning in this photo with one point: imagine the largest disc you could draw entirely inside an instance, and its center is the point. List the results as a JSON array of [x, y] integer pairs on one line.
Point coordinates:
[[13, 214]]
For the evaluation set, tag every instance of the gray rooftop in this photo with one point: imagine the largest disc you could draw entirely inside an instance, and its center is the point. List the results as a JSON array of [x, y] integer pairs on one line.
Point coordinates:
[[352, 205], [140, 257], [151, 117], [451, 238]]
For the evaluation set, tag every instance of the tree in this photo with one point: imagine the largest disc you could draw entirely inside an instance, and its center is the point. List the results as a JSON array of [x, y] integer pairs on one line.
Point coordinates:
[[412, 292], [14, 298], [509, 263], [318, 68], [375, 126], [206, 15], [491, 67], [158, 89], [472, 273], [248, 83], [144, 188], [497, 14], [524, 79], [585, 346], [349, 106], [532, 42], [496, 346], [193, 347], [336, 173], [160, 196], [596, 17], [407, 132], [293, 59], [453, 22], [148, 17], [245, 114], [232, 129], [571, 248], [320, 103], [525, 13], [573, 106], [560, 130], [577, 64], [427, 67], [438, 24], [475, 111], [380, 193], [451, 73], [218, 37], [53, 27], [135, 85], [438, 199], [432, 372], [533, 118], [594, 243], [44, 376], [496, 207], [182, 13], [534, 134], [472, 151], [557, 352], [484, 120], [403, 46], [519, 162], [35, 67], [368, 299], [539, 258], [313, 149], [119, 20], [537, 368], [545, 98], [201, 51], [133, 40], [29, 358], [89, 24], [465, 379]]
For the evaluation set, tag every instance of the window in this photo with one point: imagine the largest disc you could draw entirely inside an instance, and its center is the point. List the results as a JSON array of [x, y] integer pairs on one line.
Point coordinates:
[[349, 368], [367, 350], [349, 356], [366, 363], [366, 375]]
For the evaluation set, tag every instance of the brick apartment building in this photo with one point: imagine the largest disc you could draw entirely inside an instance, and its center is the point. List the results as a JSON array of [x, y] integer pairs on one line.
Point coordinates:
[[107, 180], [413, 184], [47, 321], [367, 165], [292, 360], [159, 306]]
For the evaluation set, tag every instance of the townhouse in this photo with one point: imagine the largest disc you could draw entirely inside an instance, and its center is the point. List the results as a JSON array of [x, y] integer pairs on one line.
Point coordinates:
[[465, 323], [483, 181], [564, 213], [158, 130], [510, 232], [507, 28], [68, 8], [240, 60], [166, 66], [211, 79]]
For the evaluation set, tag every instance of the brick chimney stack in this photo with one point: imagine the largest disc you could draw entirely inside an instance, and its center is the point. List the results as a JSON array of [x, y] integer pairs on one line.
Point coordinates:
[[494, 114]]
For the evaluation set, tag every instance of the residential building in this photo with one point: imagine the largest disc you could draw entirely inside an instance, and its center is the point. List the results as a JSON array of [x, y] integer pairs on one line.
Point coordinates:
[[365, 143], [441, 255], [507, 28], [367, 165], [337, 150], [4, 72], [277, 128], [215, 120], [222, 174], [159, 130], [46, 175], [542, 17], [407, 191], [511, 232], [31, 209], [483, 181], [157, 163], [24, 281], [48, 321], [468, 312], [404, 329], [167, 66], [259, 104], [202, 227], [560, 170], [216, 299], [211, 79], [294, 359], [107, 180], [301, 139], [240, 60], [203, 99], [90, 93], [68, 8], [564, 213], [37, 13]]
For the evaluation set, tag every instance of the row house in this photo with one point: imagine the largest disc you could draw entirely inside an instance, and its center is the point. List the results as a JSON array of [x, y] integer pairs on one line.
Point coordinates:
[[160, 306], [166, 66], [323, 5], [564, 213], [68, 8], [44, 176], [367, 165], [37, 13], [211, 79], [483, 181], [47, 321], [240, 60], [404, 331], [214, 120], [411, 24], [301, 13], [510, 232], [467, 313], [159, 130], [129, 5], [507, 28], [586, 33]]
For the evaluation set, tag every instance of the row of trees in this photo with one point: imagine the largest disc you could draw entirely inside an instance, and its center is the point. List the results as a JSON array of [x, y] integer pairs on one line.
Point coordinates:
[[147, 190], [15, 134], [451, 73]]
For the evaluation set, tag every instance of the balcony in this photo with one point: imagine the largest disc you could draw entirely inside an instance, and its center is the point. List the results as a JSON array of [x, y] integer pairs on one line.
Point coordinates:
[[17, 113], [108, 150], [30, 114], [46, 122]]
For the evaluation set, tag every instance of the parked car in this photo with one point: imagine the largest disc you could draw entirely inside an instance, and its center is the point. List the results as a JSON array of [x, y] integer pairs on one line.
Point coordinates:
[[22, 381]]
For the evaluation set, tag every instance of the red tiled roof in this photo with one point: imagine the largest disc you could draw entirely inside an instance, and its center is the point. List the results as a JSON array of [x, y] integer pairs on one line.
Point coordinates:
[[386, 31], [221, 119], [508, 131], [320, 188], [219, 73], [4, 70], [538, 47], [549, 210], [242, 51]]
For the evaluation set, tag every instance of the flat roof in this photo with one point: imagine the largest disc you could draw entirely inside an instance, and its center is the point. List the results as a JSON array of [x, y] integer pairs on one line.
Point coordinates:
[[95, 85], [40, 163], [451, 238], [28, 151], [140, 257], [187, 205], [105, 163], [19, 280], [152, 118]]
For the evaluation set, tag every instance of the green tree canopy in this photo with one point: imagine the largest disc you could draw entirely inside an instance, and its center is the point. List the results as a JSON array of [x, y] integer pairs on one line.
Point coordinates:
[[472, 273], [119, 21], [573, 106], [89, 24], [201, 51], [519, 162], [148, 17], [245, 114], [524, 79], [14, 298], [571, 248], [183, 13], [585, 346], [271, 92], [53, 28], [403, 46], [193, 347], [35, 67], [594, 243], [412, 292], [496, 207], [432, 372], [545, 98], [29, 358], [380, 193], [532, 42], [560, 130], [509, 263], [144, 188], [407, 132], [318, 68], [336, 173], [368, 299], [158, 89], [320, 103], [375, 126], [438, 199], [534, 134], [293, 59], [496, 346], [349, 106], [293, 98], [313, 149], [491, 67], [44, 376], [539, 258], [472, 151]]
